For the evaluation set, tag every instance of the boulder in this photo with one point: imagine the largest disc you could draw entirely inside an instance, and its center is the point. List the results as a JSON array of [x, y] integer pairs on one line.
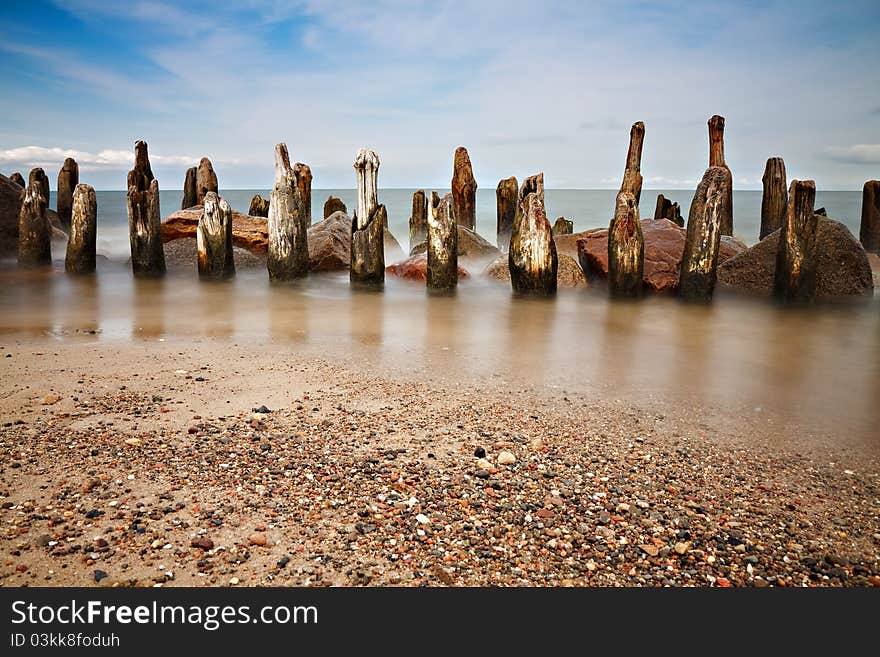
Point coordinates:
[[568, 272], [183, 254], [415, 268], [843, 268], [330, 243], [470, 245], [10, 206], [664, 247], [251, 233]]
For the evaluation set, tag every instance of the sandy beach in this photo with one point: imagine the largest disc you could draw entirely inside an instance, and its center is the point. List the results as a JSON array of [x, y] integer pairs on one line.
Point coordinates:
[[149, 462]]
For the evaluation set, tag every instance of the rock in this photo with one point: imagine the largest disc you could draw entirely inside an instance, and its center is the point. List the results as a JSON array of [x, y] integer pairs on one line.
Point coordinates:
[[248, 232], [203, 543], [682, 547], [562, 227], [664, 246], [480, 452], [842, 268], [43, 540], [68, 179], [568, 272], [470, 245], [650, 549], [18, 179], [259, 207], [258, 538], [464, 190], [182, 254], [483, 464], [190, 195], [99, 575], [506, 458], [330, 243], [332, 205], [206, 180], [263, 409], [415, 268]]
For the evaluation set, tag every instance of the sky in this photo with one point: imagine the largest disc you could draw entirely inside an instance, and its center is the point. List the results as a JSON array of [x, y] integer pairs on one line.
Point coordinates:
[[525, 86]]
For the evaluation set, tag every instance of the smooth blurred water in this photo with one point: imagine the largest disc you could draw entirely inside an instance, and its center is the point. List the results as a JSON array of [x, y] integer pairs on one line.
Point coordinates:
[[587, 208]]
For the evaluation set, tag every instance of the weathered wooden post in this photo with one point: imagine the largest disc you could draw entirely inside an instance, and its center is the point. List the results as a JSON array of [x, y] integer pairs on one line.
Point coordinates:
[[259, 206], [563, 226], [532, 256], [699, 264], [869, 231], [632, 176], [626, 248], [333, 204], [144, 217], [442, 272], [716, 159], [505, 210], [288, 252], [302, 174], [38, 176], [775, 197], [666, 209], [206, 180], [68, 179], [464, 190], [190, 193], [17, 178], [34, 230], [368, 225], [795, 277], [80, 258], [418, 220], [214, 239]]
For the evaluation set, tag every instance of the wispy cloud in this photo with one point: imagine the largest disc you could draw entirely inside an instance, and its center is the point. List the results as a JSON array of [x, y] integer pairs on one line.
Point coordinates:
[[34, 156], [855, 154]]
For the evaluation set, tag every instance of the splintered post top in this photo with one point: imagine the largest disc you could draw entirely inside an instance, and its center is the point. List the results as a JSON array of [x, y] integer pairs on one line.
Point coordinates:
[[282, 163]]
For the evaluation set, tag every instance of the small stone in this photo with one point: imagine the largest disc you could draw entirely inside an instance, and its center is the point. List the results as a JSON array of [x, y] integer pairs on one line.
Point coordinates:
[[22, 568], [257, 539], [202, 542], [262, 409], [506, 458], [99, 575], [649, 549], [423, 519], [444, 575], [682, 547], [48, 400], [480, 452], [283, 561], [133, 442], [622, 508], [483, 464], [233, 581], [43, 540]]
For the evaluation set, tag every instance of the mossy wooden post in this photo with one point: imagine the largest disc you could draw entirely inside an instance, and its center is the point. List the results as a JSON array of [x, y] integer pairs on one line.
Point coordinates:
[[34, 230], [532, 258], [563, 226], [632, 175], [259, 206], [68, 179], [288, 249], [442, 274], [464, 190], [214, 239], [775, 197], [333, 204], [869, 231], [144, 217], [699, 264], [795, 277], [17, 178], [666, 209], [626, 249], [80, 258], [190, 195], [368, 224], [505, 210], [206, 180], [418, 219], [716, 159]]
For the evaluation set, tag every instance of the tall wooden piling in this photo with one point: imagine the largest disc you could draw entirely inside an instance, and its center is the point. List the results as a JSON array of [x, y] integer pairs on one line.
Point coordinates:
[[418, 219], [34, 230], [214, 239], [68, 179], [206, 180], [716, 159], [333, 204], [144, 217], [869, 231], [666, 209], [464, 190], [288, 248], [632, 175], [190, 193], [259, 206], [796, 258], [506, 196], [80, 257], [699, 264], [368, 225], [18, 179], [442, 274], [626, 248], [775, 197], [532, 257]]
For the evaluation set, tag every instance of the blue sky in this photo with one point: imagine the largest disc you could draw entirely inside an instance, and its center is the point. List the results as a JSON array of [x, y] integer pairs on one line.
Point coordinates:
[[526, 86]]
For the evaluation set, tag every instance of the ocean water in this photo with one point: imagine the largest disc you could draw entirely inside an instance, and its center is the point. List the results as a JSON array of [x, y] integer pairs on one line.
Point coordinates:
[[591, 208]]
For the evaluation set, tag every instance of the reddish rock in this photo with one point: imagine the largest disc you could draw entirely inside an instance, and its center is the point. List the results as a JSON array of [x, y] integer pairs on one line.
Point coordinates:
[[470, 245], [202, 542], [664, 247], [415, 268], [251, 233], [330, 243]]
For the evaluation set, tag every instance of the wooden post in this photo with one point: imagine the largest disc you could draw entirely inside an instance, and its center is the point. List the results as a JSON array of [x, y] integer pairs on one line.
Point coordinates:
[[563, 227], [699, 264], [214, 239], [418, 220], [39, 178], [666, 209], [259, 206], [626, 248], [795, 278], [632, 176], [144, 217], [80, 258], [302, 174], [505, 210], [190, 194], [775, 197], [716, 159], [288, 252], [68, 179], [333, 204], [34, 230], [464, 190], [206, 180], [368, 225], [869, 231], [442, 272], [532, 257], [17, 178]]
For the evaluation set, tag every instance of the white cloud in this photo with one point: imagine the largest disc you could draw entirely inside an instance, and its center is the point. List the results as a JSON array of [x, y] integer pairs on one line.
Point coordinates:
[[35, 156], [855, 154]]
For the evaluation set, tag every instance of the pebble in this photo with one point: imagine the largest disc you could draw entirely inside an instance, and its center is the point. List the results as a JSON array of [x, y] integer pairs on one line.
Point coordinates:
[[202, 542], [257, 539], [506, 458]]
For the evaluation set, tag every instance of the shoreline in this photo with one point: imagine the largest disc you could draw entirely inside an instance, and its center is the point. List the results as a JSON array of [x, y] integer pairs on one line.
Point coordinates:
[[700, 495]]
